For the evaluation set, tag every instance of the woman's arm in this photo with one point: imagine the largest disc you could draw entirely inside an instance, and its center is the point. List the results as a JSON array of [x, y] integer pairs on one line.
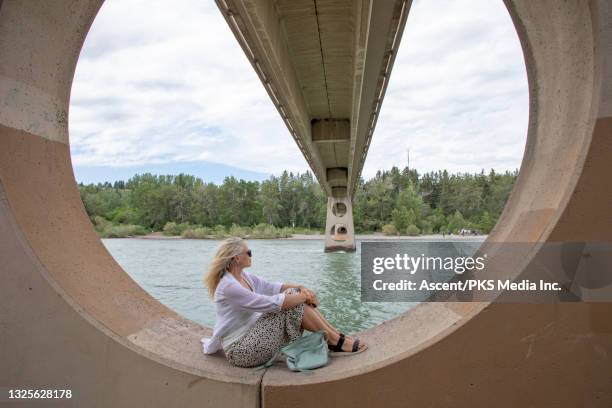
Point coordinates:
[[310, 297], [293, 299], [286, 286], [238, 296], [275, 288]]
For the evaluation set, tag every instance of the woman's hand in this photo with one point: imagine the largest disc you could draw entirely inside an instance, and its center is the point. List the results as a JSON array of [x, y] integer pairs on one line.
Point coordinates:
[[311, 298]]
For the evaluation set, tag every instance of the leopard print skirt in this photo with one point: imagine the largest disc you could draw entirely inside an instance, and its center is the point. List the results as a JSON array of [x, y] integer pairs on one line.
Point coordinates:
[[271, 332]]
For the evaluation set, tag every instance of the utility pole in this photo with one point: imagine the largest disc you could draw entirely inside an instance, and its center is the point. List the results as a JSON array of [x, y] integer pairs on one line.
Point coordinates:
[[408, 158]]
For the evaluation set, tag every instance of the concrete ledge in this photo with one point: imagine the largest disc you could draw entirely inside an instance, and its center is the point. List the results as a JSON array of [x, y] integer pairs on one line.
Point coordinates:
[[50, 341], [73, 317], [523, 355]]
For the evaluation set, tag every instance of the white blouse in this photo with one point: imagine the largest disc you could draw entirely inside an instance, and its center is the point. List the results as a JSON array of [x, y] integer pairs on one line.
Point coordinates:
[[238, 308]]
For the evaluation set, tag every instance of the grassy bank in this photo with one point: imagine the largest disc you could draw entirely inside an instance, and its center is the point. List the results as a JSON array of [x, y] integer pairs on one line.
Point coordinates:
[[107, 229]]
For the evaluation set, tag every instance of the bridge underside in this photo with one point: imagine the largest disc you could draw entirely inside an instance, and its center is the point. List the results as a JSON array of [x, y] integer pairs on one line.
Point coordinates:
[[326, 65]]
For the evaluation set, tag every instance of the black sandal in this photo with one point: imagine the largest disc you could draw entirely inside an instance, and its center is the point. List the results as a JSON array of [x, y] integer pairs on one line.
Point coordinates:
[[338, 346], [337, 351]]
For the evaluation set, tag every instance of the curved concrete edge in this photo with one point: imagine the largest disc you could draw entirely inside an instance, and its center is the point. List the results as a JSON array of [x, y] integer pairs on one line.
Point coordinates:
[[40, 43], [70, 315], [48, 342], [388, 342], [52, 334], [74, 316], [523, 356], [511, 354]]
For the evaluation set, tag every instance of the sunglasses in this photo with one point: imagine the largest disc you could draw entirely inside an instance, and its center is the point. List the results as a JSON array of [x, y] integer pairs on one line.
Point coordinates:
[[249, 253]]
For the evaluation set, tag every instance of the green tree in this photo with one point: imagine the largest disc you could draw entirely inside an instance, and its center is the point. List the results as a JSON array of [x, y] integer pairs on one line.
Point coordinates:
[[455, 222]]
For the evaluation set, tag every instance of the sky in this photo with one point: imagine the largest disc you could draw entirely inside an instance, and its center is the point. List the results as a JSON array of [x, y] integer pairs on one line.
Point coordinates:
[[164, 87]]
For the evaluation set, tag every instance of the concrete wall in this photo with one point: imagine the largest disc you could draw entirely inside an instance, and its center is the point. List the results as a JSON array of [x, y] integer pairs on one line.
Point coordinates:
[[70, 317]]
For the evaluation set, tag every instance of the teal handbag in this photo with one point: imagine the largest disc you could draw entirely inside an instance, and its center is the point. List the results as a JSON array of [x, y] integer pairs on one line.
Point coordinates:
[[303, 354]]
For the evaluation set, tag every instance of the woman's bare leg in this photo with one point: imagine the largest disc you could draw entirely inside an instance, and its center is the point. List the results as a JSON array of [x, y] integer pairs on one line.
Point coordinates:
[[314, 321], [325, 322]]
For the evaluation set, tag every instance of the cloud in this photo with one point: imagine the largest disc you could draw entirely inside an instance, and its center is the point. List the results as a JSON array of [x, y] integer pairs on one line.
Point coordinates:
[[458, 96], [161, 83]]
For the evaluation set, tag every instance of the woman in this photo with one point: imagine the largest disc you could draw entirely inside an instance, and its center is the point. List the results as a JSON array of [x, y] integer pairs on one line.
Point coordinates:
[[256, 318]]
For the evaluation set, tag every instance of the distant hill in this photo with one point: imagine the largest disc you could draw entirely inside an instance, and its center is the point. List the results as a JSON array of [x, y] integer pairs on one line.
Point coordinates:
[[207, 171]]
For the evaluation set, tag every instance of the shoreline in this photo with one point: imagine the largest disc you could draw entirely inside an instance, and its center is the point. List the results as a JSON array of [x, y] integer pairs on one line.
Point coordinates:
[[377, 236]]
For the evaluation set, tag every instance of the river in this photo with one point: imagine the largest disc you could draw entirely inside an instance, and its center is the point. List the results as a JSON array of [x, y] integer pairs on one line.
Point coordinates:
[[171, 271]]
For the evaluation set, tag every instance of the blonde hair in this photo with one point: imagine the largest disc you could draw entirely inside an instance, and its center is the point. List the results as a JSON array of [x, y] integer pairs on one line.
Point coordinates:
[[226, 252]]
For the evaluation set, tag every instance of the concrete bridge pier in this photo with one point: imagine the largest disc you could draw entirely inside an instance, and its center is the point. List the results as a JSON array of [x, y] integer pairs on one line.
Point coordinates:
[[339, 229]]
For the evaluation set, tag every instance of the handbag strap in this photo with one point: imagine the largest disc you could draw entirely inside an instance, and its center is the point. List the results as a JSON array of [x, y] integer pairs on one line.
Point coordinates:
[[270, 362]]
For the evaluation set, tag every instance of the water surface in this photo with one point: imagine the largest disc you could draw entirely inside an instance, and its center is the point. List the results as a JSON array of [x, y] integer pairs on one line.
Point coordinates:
[[172, 270]]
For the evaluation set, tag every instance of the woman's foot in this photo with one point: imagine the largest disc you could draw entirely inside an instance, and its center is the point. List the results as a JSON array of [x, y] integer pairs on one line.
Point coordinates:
[[347, 344]]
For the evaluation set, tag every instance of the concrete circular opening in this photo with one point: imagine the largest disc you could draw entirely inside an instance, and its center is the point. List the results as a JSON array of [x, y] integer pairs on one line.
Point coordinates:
[[98, 330], [339, 209], [338, 232]]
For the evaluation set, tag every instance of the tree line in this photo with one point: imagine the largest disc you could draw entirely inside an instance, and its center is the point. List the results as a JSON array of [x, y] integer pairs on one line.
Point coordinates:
[[393, 201]]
